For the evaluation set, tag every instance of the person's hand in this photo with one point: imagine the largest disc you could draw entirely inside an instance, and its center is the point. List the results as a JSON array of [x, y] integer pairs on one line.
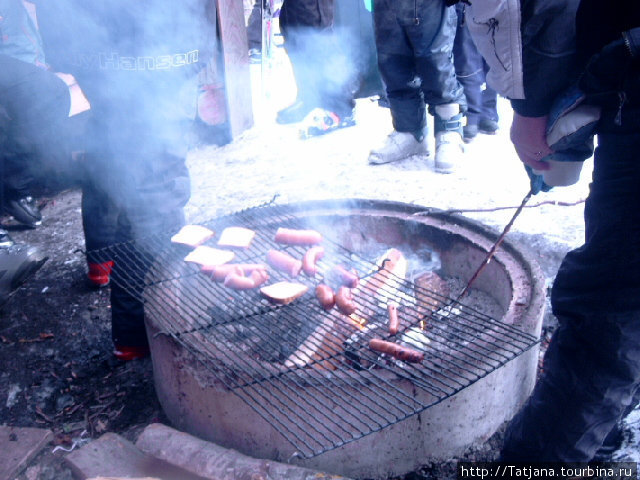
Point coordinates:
[[529, 138]]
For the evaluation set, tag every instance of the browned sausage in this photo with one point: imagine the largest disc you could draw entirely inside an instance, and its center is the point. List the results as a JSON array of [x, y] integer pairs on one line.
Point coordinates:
[[326, 296], [344, 301], [291, 236], [310, 259], [397, 351], [345, 277], [284, 262], [392, 309], [219, 272]]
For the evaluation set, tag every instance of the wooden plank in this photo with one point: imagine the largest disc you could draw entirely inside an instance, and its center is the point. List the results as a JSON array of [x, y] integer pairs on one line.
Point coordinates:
[[113, 456], [233, 36], [18, 446]]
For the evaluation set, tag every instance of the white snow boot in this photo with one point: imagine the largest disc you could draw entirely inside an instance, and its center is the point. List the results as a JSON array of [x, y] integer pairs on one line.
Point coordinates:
[[398, 146], [448, 133]]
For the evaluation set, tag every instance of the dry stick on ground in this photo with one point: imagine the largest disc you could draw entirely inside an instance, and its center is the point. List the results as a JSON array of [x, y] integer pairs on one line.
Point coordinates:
[[496, 209]]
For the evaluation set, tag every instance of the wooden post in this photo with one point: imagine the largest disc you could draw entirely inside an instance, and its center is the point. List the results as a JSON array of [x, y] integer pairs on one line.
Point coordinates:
[[233, 37]]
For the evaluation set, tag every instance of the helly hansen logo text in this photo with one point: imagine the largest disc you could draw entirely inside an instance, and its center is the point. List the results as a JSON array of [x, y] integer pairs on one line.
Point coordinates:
[[114, 61]]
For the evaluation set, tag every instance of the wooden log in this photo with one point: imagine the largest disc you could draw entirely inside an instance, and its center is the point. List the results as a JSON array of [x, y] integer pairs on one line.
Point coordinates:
[[213, 462]]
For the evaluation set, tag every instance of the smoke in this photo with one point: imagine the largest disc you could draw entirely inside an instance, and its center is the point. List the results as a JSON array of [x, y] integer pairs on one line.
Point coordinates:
[[137, 63], [329, 61]]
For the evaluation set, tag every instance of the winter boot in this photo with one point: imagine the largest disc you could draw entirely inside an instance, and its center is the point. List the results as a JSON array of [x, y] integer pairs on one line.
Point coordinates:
[[17, 264], [98, 274], [398, 146], [321, 121], [488, 126], [294, 113], [24, 210], [448, 132]]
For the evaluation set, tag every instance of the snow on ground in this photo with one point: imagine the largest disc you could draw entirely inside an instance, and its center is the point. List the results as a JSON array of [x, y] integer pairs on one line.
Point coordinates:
[[269, 159]]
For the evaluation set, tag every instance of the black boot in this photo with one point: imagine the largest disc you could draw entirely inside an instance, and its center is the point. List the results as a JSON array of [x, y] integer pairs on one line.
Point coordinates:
[[294, 113], [17, 264], [612, 442], [24, 210]]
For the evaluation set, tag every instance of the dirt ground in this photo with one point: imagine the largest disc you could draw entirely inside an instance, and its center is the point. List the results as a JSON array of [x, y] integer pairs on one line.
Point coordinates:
[[58, 371]]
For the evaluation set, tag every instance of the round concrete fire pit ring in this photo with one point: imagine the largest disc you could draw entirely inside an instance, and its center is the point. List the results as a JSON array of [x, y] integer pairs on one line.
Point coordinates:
[[197, 399]]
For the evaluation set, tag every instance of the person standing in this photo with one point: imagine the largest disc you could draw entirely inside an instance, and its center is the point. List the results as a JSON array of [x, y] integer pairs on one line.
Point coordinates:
[[591, 376], [325, 77], [414, 40], [471, 70], [137, 63], [37, 104]]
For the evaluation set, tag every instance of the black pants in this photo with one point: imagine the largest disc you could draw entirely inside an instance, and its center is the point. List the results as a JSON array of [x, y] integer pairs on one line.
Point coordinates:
[[34, 120], [254, 26], [591, 373], [324, 72], [414, 39], [136, 185]]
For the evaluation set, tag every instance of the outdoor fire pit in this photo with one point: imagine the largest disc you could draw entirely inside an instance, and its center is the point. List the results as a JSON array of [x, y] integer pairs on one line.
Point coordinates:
[[297, 383]]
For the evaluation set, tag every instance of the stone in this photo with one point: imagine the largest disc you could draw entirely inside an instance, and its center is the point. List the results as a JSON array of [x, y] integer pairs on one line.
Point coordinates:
[[18, 446]]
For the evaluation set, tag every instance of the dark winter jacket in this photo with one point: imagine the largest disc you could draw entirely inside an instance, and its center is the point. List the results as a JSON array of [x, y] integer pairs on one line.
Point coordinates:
[[529, 46], [307, 13], [130, 57], [19, 36], [538, 48]]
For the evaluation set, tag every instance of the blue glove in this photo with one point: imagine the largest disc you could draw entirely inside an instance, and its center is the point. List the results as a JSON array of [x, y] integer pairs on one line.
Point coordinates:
[[536, 181]]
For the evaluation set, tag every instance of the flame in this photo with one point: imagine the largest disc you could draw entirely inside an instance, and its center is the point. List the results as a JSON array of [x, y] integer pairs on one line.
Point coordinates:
[[423, 325], [357, 321]]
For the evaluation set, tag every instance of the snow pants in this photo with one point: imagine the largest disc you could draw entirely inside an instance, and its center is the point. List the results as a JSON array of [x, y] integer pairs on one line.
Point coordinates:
[[324, 73], [414, 40], [471, 70], [591, 375], [132, 201]]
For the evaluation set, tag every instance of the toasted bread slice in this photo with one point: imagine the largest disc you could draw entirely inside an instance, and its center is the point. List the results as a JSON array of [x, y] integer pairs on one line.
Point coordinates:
[[282, 293]]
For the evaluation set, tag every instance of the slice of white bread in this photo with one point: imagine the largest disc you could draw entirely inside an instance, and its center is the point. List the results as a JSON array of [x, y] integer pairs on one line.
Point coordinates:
[[209, 256], [192, 235], [236, 237], [282, 293]]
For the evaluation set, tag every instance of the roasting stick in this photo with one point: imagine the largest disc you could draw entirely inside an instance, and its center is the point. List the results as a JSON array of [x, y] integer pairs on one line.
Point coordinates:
[[495, 246]]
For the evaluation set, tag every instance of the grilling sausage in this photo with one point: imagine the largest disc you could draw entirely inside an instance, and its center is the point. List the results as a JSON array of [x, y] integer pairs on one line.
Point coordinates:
[[345, 277], [219, 272], [310, 259], [326, 296], [284, 262], [344, 301], [392, 309], [397, 351], [238, 281], [289, 236]]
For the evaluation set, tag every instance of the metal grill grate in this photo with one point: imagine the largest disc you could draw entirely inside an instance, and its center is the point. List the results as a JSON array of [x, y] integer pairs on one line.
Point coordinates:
[[344, 391]]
